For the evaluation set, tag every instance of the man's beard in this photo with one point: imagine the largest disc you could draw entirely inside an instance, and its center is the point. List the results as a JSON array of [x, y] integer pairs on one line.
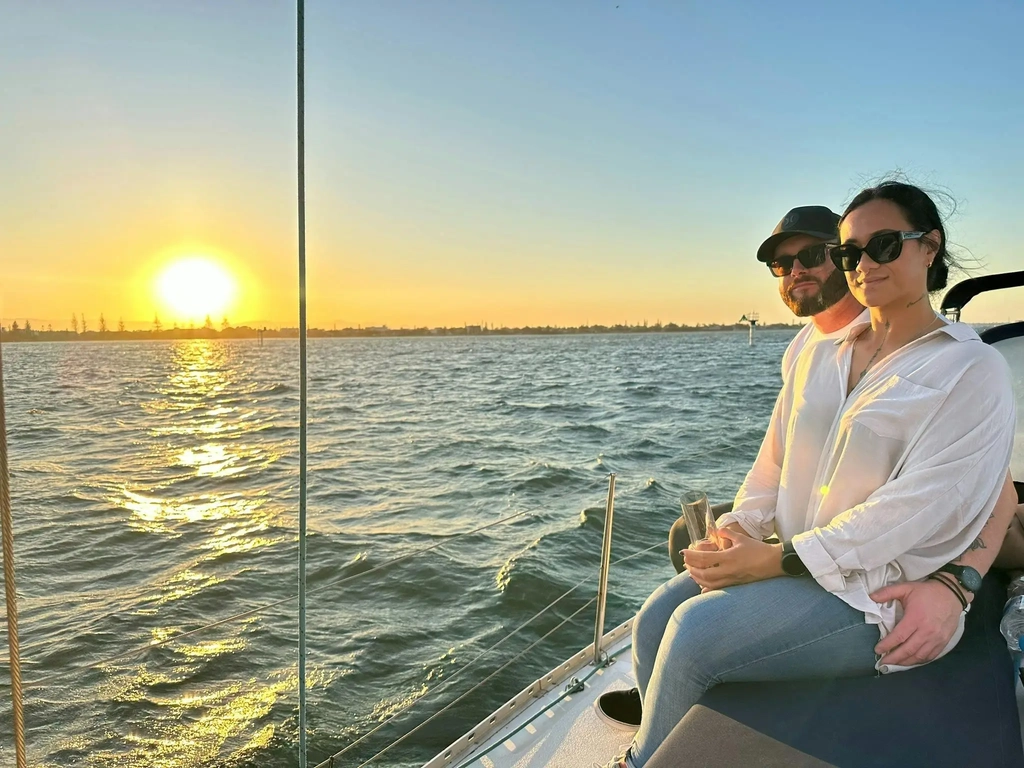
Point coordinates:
[[829, 292]]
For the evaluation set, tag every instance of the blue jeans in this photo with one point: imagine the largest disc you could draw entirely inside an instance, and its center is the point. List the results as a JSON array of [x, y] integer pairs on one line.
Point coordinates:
[[779, 629]]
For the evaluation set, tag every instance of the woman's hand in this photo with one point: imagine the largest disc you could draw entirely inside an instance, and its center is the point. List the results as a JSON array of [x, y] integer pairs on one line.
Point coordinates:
[[740, 561]]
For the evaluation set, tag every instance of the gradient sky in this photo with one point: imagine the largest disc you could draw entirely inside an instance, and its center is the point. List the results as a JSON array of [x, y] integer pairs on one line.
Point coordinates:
[[502, 162]]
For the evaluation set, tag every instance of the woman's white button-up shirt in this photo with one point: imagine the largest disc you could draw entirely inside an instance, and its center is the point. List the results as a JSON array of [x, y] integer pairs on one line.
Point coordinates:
[[892, 480]]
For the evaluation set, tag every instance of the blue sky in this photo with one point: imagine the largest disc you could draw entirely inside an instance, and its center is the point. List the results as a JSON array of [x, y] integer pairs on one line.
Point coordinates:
[[516, 162]]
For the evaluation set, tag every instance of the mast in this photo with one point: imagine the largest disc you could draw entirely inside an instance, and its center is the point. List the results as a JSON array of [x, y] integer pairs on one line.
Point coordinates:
[[301, 172]]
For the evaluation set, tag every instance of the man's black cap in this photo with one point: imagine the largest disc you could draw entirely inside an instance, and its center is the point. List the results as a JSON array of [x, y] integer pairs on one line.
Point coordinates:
[[814, 220]]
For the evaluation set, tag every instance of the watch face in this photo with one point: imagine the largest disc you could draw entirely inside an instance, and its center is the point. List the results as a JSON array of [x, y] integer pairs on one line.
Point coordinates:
[[970, 578], [792, 564]]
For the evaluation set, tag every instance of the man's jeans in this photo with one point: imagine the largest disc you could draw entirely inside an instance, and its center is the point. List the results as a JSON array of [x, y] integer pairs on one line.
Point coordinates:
[[779, 629]]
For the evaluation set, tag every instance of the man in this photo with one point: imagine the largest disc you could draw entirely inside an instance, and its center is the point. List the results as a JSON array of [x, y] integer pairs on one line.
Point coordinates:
[[810, 285]]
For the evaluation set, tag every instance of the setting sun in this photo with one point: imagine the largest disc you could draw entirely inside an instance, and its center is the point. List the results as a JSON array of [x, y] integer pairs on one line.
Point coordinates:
[[195, 287]]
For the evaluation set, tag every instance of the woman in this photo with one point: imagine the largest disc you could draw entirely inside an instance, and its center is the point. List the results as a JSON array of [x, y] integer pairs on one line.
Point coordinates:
[[883, 461]]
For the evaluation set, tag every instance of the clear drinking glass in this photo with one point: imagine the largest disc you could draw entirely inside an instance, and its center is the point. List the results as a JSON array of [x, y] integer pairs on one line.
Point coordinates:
[[700, 521]]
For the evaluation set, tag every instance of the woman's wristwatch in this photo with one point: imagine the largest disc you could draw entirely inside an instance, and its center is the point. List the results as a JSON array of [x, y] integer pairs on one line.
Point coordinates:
[[792, 565]]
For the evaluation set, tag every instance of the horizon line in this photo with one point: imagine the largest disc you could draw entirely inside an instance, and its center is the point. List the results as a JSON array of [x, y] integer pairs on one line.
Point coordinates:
[[249, 332]]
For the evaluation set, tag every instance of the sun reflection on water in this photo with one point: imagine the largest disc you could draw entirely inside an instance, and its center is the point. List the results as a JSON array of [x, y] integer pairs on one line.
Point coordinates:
[[210, 460], [185, 584], [199, 369], [156, 515], [184, 486], [205, 722], [197, 729]]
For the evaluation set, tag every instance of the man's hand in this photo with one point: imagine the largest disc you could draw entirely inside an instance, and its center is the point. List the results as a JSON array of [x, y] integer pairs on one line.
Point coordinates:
[[743, 561], [931, 614]]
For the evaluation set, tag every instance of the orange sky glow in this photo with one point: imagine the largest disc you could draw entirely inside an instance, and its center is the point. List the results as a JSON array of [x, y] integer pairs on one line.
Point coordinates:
[[585, 171]]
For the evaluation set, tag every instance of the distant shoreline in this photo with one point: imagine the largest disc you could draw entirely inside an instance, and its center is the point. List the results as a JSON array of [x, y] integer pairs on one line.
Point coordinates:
[[245, 332]]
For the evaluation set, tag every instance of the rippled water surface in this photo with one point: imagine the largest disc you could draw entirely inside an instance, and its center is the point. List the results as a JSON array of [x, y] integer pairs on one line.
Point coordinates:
[[155, 492]]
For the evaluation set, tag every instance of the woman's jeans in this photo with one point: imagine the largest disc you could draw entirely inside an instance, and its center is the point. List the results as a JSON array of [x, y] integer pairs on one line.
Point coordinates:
[[787, 628]]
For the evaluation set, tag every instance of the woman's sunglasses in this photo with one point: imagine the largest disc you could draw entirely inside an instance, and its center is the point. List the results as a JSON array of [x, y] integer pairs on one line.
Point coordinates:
[[881, 249], [810, 257]]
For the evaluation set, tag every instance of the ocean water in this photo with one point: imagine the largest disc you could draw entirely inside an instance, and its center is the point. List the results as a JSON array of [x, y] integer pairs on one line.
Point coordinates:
[[155, 492]]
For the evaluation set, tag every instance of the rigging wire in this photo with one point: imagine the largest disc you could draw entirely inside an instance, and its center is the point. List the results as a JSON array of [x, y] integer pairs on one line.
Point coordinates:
[[246, 614], [503, 667], [729, 447], [561, 697], [124, 608], [455, 675], [472, 661]]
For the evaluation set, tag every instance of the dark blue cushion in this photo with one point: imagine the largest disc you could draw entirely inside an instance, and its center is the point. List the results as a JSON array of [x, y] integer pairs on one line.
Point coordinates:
[[958, 711]]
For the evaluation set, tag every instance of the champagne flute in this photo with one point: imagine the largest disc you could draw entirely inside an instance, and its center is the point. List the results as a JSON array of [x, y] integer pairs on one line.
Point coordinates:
[[700, 521]]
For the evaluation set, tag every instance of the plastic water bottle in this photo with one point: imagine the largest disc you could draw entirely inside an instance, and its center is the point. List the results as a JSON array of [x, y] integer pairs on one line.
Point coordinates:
[[1012, 625]]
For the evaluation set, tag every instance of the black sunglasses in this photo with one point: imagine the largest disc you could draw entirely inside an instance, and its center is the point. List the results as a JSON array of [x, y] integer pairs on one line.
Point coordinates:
[[810, 257], [881, 249]]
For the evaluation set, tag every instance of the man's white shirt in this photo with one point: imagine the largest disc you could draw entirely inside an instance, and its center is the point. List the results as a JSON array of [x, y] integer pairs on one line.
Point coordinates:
[[809, 334], [891, 481]]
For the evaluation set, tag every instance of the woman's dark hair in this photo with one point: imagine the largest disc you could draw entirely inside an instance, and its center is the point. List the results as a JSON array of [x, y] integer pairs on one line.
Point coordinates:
[[921, 213]]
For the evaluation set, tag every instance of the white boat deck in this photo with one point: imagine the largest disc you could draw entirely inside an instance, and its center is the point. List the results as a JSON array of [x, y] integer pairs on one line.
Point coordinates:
[[568, 734], [532, 730]]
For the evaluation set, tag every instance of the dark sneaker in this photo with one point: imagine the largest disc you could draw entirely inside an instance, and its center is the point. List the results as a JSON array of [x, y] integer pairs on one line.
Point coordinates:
[[621, 708]]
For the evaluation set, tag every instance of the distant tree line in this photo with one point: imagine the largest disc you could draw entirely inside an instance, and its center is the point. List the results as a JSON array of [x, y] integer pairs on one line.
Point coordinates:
[[80, 330]]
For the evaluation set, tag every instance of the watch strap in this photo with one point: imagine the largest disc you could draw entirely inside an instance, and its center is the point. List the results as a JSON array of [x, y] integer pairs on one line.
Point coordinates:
[[792, 564], [957, 572]]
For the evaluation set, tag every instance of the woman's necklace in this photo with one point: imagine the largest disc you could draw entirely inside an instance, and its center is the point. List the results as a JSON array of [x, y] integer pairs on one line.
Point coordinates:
[[885, 336]]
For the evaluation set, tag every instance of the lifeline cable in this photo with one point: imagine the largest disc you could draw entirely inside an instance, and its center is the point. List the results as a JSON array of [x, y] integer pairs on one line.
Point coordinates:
[[246, 614]]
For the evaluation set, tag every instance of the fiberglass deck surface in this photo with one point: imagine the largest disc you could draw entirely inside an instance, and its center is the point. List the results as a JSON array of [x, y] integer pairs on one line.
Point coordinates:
[[570, 734]]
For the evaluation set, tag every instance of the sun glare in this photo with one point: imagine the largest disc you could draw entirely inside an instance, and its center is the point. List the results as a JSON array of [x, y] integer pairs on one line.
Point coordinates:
[[195, 287]]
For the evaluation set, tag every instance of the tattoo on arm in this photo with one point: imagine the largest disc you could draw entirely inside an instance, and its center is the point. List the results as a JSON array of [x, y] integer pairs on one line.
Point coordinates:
[[978, 543], [915, 301]]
